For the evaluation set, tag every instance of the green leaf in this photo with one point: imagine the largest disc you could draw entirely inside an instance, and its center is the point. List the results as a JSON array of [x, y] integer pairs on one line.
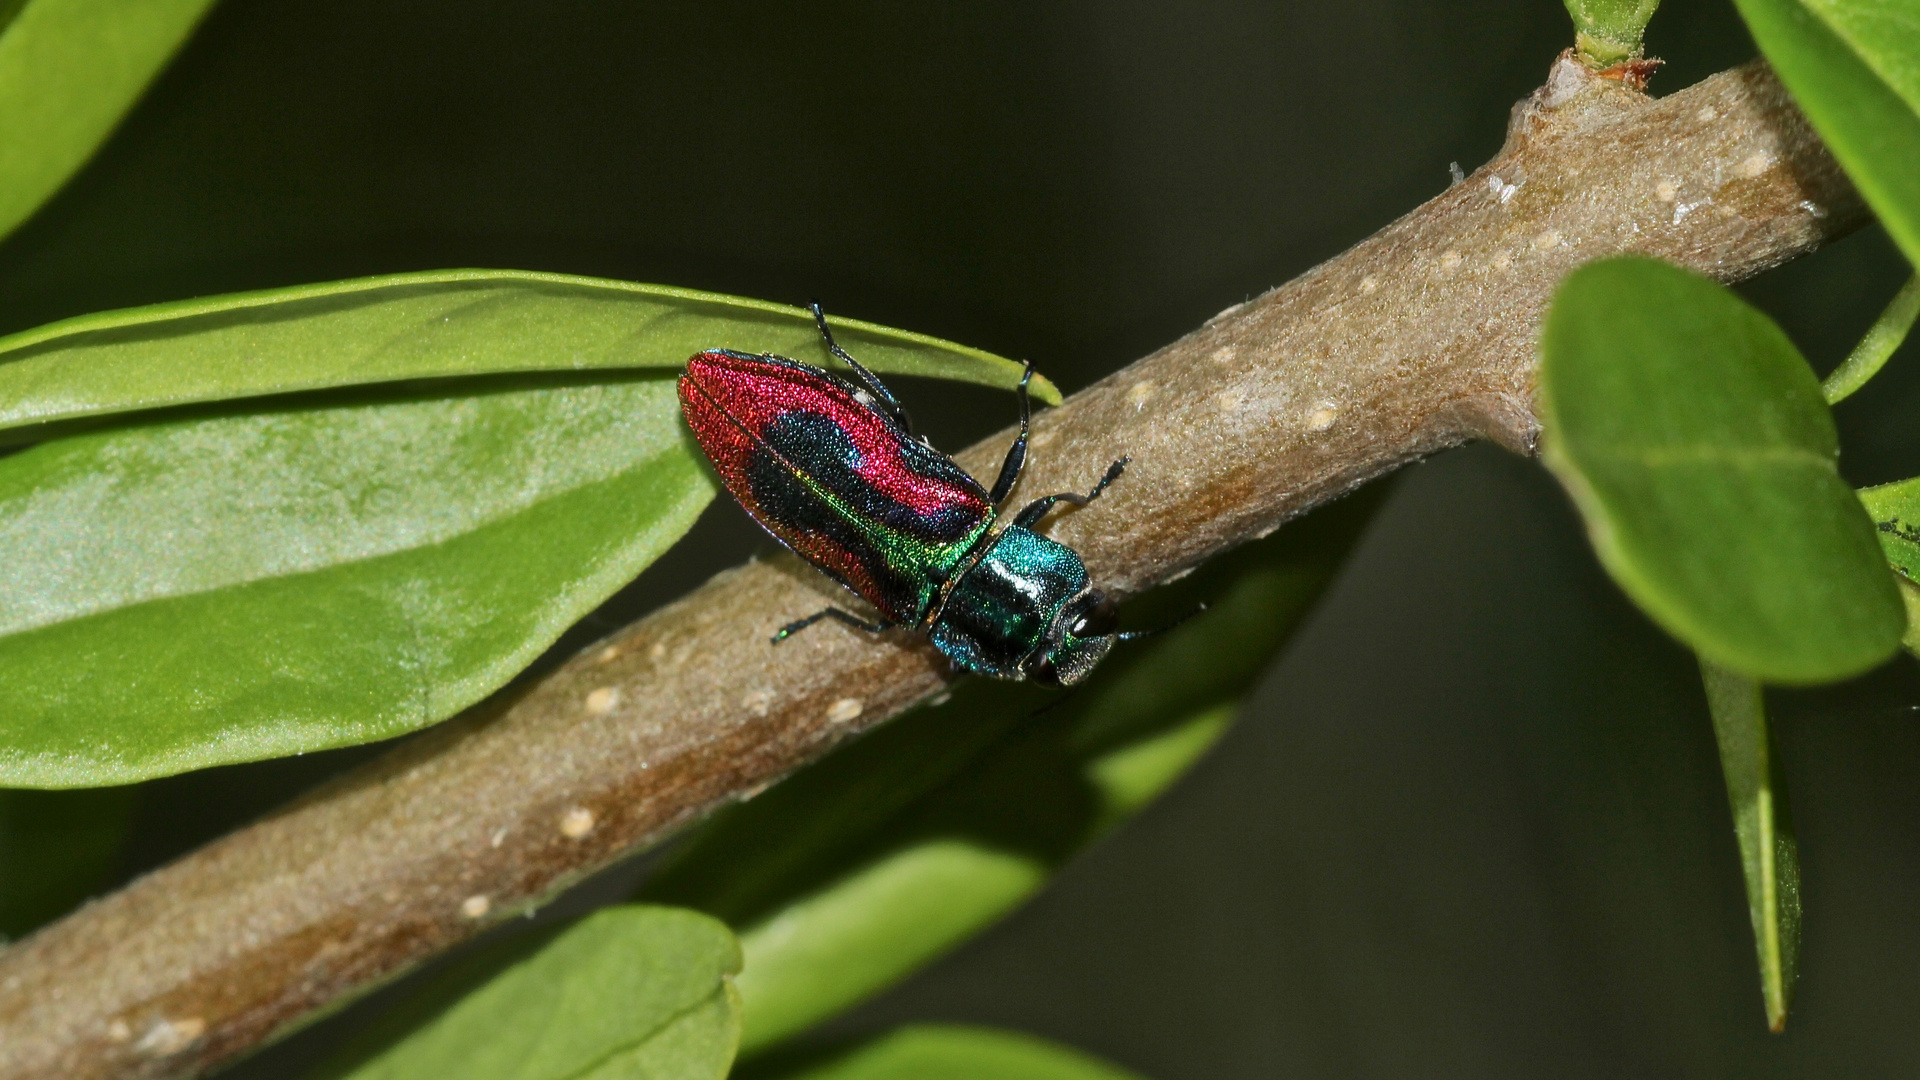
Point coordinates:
[[1877, 346], [69, 69], [852, 874], [1895, 510], [1607, 32], [1910, 594], [877, 922], [627, 993], [1695, 442], [330, 532], [1854, 68], [1884, 34], [423, 326], [239, 586], [951, 1052], [1769, 856], [56, 848]]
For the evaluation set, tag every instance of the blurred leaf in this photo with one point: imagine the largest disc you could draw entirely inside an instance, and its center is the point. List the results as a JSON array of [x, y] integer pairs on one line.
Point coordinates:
[[829, 950], [1854, 68], [950, 1052], [56, 849], [418, 326], [1769, 856], [239, 586], [1607, 32], [69, 70], [1696, 444], [627, 993], [1877, 345], [860, 869]]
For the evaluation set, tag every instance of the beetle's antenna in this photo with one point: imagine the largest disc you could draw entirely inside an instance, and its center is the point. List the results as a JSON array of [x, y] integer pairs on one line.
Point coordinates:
[[1135, 635]]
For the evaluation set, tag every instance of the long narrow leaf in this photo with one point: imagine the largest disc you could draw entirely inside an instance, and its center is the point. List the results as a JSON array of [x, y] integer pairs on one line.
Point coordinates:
[[371, 548], [69, 70], [1769, 856], [439, 324]]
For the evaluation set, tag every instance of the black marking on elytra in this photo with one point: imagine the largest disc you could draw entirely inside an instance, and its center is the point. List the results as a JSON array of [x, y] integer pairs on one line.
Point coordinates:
[[816, 446]]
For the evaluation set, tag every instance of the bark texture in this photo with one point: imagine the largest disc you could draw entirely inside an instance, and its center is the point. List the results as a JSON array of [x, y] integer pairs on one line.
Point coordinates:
[[1417, 339]]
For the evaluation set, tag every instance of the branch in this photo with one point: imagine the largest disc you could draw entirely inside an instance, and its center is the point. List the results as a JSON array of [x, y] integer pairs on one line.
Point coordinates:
[[1418, 339]]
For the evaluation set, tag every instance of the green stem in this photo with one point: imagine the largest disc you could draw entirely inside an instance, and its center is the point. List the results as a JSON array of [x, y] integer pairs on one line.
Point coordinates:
[[1769, 856], [1880, 342], [1608, 32]]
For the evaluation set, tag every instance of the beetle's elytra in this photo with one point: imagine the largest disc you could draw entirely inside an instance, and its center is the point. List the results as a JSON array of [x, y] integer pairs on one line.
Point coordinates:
[[834, 472]]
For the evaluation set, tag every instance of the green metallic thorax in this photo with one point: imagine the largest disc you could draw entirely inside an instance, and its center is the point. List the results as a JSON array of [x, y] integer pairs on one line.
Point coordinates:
[[1005, 606]]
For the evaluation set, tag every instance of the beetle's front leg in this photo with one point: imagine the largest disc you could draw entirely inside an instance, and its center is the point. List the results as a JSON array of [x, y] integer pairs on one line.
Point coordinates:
[[1038, 508]]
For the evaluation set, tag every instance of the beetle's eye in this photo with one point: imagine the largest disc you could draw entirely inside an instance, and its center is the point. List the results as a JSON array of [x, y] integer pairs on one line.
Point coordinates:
[[1098, 621]]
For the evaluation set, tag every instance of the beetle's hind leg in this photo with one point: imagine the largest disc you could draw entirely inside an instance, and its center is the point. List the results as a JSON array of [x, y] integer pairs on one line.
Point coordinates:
[[1017, 453], [883, 397], [835, 614], [1038, 508]]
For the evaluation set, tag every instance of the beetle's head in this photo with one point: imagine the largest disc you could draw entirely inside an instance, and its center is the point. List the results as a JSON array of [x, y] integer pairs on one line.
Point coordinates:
[[1081, 634]]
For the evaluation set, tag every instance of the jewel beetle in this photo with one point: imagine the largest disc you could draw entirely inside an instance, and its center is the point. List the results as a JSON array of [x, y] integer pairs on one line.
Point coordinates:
[[833, 470]]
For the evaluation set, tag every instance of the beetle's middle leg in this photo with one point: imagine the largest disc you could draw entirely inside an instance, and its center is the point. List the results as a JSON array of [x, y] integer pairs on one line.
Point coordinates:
[[883, 398], [1038, 508], [1017, 453], [835, 614]]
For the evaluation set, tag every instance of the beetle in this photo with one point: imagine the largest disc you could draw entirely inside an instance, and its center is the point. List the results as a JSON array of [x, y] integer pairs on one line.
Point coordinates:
[[833, 470]]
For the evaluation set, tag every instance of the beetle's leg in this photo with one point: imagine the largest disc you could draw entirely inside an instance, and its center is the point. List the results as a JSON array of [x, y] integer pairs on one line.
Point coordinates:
[[883, 397], [1017, 453], [1038, 508], [835, 614]]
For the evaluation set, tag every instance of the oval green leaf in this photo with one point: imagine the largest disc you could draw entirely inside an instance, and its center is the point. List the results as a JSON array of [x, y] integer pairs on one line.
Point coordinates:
[[846, 878], [69, 70], [627, 993], [1854, 68], [234, 587], [432, 325], [952, 1052], [1695, 441]]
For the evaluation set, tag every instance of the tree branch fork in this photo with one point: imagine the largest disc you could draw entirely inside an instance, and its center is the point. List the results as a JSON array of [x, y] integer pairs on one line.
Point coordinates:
[[1417, 339]]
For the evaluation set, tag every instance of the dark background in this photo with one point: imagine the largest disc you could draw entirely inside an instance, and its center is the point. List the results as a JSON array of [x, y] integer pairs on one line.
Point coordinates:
[[1471, 825]]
